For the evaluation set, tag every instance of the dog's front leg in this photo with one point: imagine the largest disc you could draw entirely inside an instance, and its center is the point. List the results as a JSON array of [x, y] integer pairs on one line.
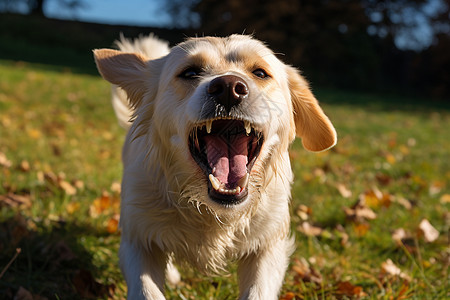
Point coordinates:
[[143, 270], [261, 273]]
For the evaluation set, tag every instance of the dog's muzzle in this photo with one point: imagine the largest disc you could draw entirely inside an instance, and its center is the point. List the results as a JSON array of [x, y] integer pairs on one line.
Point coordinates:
[[225, 146]]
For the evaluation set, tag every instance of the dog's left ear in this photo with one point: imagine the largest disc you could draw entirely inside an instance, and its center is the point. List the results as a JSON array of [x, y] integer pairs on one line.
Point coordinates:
[[130, 71], [311, 123]]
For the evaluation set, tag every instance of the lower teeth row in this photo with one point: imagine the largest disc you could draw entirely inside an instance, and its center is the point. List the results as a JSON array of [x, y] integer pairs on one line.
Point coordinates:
[[230, 192], [218, 186]]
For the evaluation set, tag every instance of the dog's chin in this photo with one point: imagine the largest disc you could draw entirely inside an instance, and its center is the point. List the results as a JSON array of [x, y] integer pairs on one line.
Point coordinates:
[[226, 150]]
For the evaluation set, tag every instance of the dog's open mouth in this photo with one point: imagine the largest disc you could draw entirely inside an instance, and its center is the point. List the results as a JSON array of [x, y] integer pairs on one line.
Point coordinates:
[[226, 150]]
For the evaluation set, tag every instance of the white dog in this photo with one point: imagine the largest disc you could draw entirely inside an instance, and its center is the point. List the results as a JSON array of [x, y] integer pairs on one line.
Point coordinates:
[[206, 167]]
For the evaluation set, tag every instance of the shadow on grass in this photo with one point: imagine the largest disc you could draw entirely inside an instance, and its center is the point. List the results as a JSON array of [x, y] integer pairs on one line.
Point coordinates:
[[54, 261]]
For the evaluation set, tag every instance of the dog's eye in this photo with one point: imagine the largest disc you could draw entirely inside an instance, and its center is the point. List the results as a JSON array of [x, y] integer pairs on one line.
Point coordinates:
[[190, 73], [260, 73]]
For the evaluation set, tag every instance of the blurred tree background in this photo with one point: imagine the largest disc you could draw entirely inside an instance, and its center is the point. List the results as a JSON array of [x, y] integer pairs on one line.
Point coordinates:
[[401, 45], [375, 45]]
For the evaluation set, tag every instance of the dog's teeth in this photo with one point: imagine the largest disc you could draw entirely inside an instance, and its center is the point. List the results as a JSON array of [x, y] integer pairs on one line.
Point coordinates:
[[242, 183], [208, 126], [238, 190], [214, 182], [248, 127]]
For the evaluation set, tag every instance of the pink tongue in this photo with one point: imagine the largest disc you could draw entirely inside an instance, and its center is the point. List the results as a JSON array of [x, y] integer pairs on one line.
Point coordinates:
[[227, 158]]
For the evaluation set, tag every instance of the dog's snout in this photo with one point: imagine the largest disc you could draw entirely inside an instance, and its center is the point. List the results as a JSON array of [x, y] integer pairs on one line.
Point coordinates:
[[228, 90]]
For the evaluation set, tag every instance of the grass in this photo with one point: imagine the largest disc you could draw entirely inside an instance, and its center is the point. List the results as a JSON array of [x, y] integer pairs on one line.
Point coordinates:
[[60, 165]]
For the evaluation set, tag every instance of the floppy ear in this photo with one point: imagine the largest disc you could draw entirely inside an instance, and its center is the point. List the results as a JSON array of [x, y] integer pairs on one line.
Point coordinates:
[[311, 124], [127, 70]]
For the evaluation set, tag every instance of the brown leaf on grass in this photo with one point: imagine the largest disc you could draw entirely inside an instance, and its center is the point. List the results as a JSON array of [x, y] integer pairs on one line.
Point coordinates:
[[389, 269], [113, 224], [359, 212], [288, 296], [436, 187], [430, 234], [342, 234], [405, 240], [403, 202], [361, 229], [309, 230], [343, 190], [345, 288], [67, 188], [383, 179], [398, 235], [445, 199], [73, 207], [87, 287], [304, 212], [305, 272], [4, 161], [116, 187], [24, 166], [34, 133], [374, 198], [15, 201], [104, 203]]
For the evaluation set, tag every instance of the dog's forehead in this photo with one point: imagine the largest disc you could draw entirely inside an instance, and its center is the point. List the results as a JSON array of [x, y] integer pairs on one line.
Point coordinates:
[[234, 48]]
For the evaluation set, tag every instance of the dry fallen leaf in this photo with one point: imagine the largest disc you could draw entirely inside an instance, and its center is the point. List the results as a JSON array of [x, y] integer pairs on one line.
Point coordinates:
[[430, 234], [13, 200], [116, 187], [309, 230], [304, 212], [343, 190], [436, 187], [375, 198], [25, 166], [104, 203], [347, 289], [305, 272], [360, 212], [445, 199], [390, 269], [113, 224], [4, 161], [398, 235], [72, 207], [361, 229], [288, 296], [34, 133], [67, 188], [404, 202]]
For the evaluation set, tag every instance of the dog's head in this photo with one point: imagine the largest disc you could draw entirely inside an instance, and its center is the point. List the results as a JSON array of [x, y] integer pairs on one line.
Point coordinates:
[[224, 109]]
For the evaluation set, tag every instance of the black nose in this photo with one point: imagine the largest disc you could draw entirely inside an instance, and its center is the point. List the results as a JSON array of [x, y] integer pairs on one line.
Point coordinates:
[[228, 90]]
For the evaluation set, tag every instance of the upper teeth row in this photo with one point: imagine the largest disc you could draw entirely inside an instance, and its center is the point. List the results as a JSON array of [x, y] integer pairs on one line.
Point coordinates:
[[247, 125]]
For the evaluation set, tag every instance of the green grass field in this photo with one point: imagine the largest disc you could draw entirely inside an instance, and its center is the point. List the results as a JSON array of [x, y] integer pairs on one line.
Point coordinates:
[[357, 211]]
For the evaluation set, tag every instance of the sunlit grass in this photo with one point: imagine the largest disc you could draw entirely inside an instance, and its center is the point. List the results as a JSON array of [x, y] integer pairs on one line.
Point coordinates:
[[56, 126]]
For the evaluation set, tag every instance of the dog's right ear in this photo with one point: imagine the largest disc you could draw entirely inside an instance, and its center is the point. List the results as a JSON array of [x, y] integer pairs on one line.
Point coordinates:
[[130, 71]]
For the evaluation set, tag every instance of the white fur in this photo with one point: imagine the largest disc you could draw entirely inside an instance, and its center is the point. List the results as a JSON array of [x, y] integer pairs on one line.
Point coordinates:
[[166, 213]]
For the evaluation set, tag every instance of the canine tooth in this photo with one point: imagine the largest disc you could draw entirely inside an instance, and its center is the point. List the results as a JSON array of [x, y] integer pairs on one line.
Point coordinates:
[[214, 182], [242, 183], [208, 126], [248, 128]]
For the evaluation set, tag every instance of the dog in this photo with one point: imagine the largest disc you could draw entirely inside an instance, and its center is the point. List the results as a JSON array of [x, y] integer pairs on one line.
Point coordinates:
[[207, 175]]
